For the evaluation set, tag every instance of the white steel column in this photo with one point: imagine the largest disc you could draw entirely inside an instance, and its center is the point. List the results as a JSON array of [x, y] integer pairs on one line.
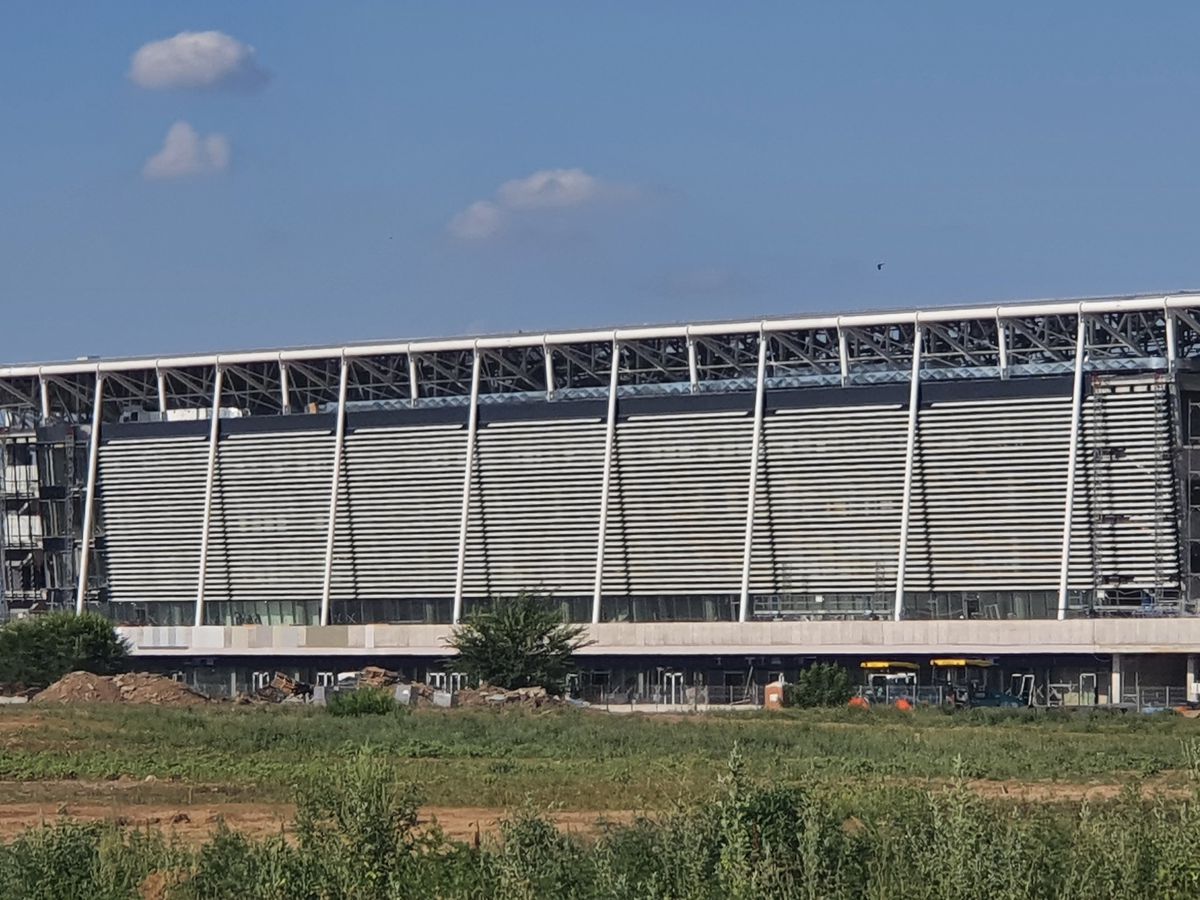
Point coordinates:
[[160, 378], [285, 389], [1115, 679], [693, 364], [412, 379], [1172, 347], [1002, 345], [89, 497], [548, 362], [468, 470], [44, 392], [610, 440], [910, 453], [1072, 459], [214, 434], [843, 355], [760, 385], [335, 482]]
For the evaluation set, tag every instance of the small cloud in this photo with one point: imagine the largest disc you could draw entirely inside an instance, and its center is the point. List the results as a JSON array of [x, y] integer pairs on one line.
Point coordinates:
[[197, 60], [549, 189], [543, 191], [482, 219], [185, 153]]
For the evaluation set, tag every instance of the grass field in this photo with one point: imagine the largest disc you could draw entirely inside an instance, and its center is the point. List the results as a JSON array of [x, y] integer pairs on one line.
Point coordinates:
[[903, 793]]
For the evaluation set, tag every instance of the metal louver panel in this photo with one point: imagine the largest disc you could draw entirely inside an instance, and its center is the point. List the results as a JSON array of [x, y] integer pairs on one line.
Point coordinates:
[[269, 517], [151, 501], [988, 488], [535, 504], [677, 508], [1129, 490], [398, 513], [827, 506]]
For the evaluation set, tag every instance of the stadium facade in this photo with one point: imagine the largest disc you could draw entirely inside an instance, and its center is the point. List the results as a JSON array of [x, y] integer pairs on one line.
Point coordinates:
[[718, 502]]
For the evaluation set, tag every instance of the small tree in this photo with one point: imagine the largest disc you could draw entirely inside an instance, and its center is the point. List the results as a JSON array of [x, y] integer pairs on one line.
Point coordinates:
[[823, 684], [517, 642], [42, 649]]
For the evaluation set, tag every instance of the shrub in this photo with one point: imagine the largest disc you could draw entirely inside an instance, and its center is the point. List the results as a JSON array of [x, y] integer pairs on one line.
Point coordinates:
[[518, 642], [40, 650], [824, 684], [365, 701]]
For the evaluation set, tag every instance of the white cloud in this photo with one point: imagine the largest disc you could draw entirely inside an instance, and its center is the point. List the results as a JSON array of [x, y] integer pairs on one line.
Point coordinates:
[[549, 188], [543, 191], [185, 153], [197, 60], [481, 219]]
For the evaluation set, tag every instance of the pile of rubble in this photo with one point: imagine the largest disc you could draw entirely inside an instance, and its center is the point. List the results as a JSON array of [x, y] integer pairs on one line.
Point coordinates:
[[131, 687], [488, 696]]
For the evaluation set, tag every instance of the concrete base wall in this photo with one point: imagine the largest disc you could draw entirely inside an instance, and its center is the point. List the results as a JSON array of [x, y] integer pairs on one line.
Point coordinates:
[[981, 637]]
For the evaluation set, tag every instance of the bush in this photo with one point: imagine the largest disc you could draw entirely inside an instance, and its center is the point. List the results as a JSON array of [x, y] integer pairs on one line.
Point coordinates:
[[824, 684], [518, 642], [38, 651], [365, 701]]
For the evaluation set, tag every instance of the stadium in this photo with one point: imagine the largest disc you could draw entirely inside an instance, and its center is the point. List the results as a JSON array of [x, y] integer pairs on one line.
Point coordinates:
[[720, 503]]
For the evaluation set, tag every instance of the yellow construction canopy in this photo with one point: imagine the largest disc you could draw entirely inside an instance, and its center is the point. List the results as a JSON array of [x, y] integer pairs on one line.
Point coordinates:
[[961, 663], [883, 664]]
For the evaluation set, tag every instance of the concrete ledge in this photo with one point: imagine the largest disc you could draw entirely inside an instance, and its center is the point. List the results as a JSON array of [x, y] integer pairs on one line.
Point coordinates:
[[705, 638]]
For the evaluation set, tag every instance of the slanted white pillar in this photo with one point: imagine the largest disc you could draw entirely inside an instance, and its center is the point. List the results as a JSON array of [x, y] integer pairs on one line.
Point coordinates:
[[1115, 679], [843, 354], [910, 453], [285, 389], [1193, 694], [752, 491], [214, 435], [610, 439], [693, 364], [468, 471], [1002, 345], [1072, 460], [89, 497], [335, 482], [44, 391], [548, 363], [1172, 346]]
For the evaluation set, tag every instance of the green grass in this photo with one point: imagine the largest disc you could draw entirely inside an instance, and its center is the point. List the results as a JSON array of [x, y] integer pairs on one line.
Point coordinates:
[[581, 760]]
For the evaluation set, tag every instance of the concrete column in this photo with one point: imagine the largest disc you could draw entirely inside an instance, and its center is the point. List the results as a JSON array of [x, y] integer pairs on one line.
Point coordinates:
[[1114, 685], [1192, 693]]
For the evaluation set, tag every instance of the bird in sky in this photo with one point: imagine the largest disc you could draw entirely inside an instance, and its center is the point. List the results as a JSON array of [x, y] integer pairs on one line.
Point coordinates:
[[878, 267]]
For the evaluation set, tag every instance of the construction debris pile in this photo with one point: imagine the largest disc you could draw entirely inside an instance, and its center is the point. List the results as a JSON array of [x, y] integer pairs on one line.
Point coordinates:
[[130, 687], [423, 696]]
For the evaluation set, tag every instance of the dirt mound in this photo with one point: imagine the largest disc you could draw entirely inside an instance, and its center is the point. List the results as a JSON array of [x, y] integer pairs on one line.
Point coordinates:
[[80, 687], [132, 687], [143, 687]]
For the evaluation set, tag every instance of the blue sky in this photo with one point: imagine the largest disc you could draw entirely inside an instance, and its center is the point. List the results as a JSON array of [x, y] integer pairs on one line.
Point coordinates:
[[634, 162]]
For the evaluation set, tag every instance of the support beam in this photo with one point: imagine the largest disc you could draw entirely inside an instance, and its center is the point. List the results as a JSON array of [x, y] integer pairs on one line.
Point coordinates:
[[214, 435], [1002, 345], [89, 497], [335, 481], [610, 440], [1072, 460], [413, 394], [285, 389], [843, 355], [760, 386], [693, 365], [910, 454], [1115, 679], [44, 393], [1172, 345], [160, 380], [468, 471], [548, 363], [1193, 665]]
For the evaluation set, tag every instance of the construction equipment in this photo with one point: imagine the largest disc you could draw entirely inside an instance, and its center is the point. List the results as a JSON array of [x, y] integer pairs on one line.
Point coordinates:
[[967, 683], [888, 681]]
